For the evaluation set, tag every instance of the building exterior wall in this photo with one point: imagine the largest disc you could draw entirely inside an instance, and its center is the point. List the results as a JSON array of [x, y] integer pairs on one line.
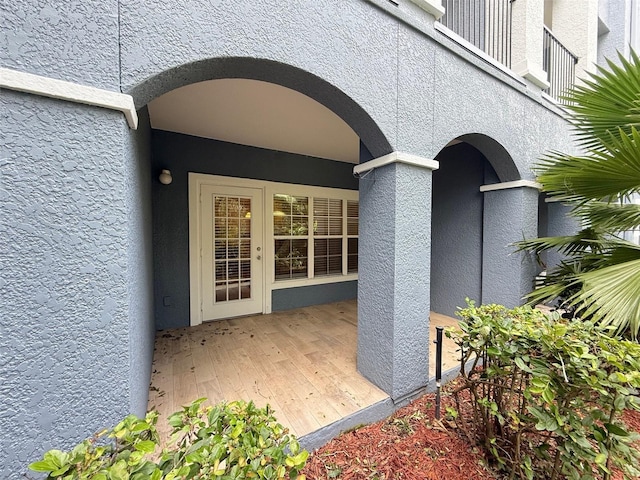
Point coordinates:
[[76, 320], [456, 228], [66, 277], [182, 154]]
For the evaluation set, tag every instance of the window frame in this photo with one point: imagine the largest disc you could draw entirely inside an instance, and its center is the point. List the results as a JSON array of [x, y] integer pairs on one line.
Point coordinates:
[[311, 193]]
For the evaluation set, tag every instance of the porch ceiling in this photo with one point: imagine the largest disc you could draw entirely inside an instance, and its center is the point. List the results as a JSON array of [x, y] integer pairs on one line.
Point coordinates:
[[256, 113], [301, 362]]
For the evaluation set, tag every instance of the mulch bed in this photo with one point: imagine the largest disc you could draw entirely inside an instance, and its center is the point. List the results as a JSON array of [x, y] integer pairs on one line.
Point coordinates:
[[410, 445]]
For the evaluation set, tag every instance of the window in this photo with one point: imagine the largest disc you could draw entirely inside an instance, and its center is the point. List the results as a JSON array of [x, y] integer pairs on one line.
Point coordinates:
[[314, 236], [291, 229]]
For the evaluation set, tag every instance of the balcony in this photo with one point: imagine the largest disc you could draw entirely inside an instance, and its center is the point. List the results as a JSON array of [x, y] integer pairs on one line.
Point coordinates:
[[560, 65], [488, 25]]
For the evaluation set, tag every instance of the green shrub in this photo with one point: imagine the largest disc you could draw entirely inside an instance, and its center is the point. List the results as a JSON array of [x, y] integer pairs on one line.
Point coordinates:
[[230, 441], [546, 393]]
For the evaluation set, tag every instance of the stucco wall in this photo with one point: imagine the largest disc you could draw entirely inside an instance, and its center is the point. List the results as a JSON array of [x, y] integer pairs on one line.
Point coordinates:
[[182, 154], [141, 328], [64, 276], [76, 316], [74, 41], [456, 228]]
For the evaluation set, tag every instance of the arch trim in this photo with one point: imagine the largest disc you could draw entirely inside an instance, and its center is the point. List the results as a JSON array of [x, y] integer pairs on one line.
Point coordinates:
[[69, 91], [507, 185], [395, 157]]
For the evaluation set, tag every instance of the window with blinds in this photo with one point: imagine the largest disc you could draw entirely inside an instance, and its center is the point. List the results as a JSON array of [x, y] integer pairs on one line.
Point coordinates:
[[314, 236]]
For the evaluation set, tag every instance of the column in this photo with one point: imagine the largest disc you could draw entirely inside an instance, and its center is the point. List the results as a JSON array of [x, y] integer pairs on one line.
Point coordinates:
[[510, 215], [394, 272], [559, 223], [526, 41]]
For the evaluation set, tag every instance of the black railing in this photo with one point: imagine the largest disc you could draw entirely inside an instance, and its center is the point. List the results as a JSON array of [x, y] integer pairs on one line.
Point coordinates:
[[484, 23], [559, 63]]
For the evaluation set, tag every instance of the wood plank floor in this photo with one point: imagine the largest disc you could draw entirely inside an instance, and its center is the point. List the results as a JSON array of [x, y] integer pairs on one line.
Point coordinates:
[[301, 362]]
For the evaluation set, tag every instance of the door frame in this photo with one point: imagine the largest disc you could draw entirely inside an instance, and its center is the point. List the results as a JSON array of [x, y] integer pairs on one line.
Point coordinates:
[[196, 181], [269, 188]]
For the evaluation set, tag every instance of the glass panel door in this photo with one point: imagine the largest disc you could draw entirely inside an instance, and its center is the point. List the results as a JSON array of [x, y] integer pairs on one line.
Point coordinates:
[[231, 251]]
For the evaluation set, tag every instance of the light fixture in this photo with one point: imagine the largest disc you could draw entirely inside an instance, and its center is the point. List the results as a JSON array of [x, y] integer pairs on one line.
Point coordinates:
[[165, 177]]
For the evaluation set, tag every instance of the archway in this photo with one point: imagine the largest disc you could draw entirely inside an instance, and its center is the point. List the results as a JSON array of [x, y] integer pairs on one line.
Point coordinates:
[[459, 217]]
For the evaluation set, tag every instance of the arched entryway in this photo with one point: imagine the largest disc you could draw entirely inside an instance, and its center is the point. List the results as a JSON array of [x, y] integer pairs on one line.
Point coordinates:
[[480, 206], [262, 207], [274, 131]]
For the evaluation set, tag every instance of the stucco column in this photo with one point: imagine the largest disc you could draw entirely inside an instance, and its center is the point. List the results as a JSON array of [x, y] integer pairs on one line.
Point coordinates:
[[510, 215], [526, 41], [394, 272], [559, 223]]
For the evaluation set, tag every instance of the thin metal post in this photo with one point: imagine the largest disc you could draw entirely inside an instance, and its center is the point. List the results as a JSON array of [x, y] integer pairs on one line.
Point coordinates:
[[438, 343]]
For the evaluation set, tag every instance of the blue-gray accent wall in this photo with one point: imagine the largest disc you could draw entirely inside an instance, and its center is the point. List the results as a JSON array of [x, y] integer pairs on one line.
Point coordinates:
[[285, 299], [456, 228], [183, 154]]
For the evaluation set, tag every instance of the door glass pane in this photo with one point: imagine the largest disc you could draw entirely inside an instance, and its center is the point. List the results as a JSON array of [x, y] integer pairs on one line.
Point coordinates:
[[232, 248]]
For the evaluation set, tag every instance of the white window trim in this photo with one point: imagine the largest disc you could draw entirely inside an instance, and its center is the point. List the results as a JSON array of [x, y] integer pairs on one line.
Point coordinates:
[[196, 180]]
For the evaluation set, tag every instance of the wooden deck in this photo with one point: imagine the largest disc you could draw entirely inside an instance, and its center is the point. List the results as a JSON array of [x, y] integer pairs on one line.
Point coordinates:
[[301, 362]]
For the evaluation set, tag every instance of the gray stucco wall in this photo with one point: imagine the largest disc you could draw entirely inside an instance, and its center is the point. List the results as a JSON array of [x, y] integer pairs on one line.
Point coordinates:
[[510, 215], [393, 290], [141, 328], [456, 228], [424, 91], [74, 41], [75, 319], [64, 334], [182, 154]]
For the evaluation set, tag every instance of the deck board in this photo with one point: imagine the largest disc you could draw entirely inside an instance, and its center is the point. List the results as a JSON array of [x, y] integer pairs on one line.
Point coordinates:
[[301, 362]]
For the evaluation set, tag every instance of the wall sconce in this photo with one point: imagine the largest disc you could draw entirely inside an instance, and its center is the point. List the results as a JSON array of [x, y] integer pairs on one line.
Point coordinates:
[[165, 177]]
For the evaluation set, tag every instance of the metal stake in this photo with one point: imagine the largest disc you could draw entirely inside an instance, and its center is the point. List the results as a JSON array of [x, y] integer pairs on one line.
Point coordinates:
[[438, 343]]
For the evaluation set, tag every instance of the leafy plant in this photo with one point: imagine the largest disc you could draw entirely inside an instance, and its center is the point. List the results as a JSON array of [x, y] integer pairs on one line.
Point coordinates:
[[229, 441], [546, 393], [601, 273]]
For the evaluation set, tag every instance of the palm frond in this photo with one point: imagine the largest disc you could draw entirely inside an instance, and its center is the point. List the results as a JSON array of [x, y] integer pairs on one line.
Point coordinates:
[[612, 173], [609, 217], [586, 240], [608, 100], [611, 296]]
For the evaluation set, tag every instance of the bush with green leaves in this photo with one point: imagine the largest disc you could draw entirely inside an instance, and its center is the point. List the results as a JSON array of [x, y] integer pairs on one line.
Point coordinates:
[[229, 441], [546, 394]]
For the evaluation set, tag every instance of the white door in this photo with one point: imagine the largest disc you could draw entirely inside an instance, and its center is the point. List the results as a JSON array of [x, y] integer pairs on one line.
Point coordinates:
[[231, 255]]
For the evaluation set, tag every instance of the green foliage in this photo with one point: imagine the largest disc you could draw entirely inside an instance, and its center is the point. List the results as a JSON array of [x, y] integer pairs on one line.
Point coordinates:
[[547, 393], [230, 441], [601, 276]]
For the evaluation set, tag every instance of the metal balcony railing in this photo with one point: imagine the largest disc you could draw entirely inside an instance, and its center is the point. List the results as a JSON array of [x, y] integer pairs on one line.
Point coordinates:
[[560, 65], [484, 23]]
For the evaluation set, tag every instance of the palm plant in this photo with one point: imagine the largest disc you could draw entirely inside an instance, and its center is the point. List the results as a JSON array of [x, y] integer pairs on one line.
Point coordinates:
[[600, 275]]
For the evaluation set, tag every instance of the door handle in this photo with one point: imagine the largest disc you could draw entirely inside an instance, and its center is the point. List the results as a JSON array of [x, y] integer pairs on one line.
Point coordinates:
[[259, 257]]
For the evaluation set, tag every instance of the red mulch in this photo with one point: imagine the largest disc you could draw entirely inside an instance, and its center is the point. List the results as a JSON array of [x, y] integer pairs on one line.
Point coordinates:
[[410, 445]]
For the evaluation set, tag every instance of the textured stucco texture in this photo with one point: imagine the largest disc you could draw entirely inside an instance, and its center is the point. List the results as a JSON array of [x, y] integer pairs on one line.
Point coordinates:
[[393, 292], [76, 251], [64, 330], [456, 228]]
